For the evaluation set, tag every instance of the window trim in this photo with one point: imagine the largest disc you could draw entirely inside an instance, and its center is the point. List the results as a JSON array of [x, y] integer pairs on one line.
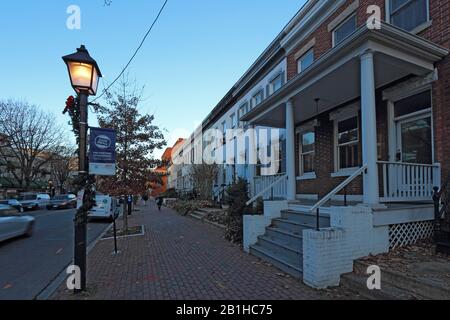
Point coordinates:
[[351, 16], [234, 122], [312, 174], [417, 29], [299, 60], [272, 80], [339, 172], [257, 92]]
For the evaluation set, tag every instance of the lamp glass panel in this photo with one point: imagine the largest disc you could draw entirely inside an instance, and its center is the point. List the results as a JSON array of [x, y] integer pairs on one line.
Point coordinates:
[[80, 74]]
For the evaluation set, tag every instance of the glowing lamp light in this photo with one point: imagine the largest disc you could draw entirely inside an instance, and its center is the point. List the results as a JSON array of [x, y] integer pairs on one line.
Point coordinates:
[[83, 71]]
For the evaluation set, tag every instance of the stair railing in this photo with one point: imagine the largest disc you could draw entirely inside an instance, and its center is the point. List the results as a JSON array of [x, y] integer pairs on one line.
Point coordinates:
[[339, 188], [267, 189]]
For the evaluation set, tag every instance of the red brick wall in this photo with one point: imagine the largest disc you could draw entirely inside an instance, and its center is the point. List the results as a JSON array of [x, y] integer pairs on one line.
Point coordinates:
[[438, 32]]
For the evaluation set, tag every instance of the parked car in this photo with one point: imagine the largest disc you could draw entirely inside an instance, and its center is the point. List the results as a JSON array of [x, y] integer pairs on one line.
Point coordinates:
[[14, 224], [13, 203], [65, 201], [34, 201], [106, 208]]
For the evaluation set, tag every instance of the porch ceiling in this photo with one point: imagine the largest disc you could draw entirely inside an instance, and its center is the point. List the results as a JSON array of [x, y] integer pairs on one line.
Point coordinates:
[[335, 78]]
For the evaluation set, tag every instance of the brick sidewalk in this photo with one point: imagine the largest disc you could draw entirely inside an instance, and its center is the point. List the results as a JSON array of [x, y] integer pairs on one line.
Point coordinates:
[[183, 259]]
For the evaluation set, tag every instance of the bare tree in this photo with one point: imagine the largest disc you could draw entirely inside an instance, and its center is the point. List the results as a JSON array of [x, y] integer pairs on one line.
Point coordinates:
[[137, 139], [33, 137], [203, 177], [63, 164]]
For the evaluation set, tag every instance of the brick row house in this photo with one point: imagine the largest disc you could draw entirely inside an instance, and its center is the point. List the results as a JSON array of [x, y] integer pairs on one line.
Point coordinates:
[[363, 107]]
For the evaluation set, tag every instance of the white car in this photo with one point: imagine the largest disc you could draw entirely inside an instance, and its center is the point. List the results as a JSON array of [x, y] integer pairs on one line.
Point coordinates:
[[106, 208], [14, 224], [34, 201]]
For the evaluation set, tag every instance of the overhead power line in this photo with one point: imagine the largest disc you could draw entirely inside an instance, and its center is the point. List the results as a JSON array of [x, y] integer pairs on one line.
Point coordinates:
[[135, 53]]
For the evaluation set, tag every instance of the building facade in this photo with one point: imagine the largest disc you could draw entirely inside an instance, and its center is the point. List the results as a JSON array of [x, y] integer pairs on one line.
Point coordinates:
[[360, 90]]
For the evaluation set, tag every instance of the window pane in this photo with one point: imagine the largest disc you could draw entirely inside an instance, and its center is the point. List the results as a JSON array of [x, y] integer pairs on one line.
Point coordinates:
[[416, 141], [306, 61], [258, 98], [308, 163], [348, 131], [344, 30], [411, 15], [395, 4], [413, 104], [277, 83], [308, 140], [348, 156]]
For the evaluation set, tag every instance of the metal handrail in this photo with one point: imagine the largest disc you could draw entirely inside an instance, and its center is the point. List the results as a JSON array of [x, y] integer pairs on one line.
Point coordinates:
[[339, 188], [269, 188]]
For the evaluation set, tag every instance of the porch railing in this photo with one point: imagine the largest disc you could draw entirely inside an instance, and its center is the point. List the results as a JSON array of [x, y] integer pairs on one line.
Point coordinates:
[[261, 183], [269, 188], [408, 181]]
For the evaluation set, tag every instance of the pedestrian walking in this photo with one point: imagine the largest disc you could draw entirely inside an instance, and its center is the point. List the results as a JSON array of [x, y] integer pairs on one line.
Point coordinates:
[[160, 203]]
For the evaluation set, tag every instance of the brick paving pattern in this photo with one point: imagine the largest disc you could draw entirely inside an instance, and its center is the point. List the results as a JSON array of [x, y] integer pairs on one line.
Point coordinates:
[[180, 258]]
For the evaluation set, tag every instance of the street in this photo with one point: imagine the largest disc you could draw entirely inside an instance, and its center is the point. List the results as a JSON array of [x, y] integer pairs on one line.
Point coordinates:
[[29, 265]]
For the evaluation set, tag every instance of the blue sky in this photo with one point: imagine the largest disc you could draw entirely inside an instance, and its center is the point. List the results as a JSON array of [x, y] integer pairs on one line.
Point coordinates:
[[196, 52]]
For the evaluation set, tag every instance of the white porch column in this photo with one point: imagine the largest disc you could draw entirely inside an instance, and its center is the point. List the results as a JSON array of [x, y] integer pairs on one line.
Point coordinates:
[[369, 129], [290, 151]]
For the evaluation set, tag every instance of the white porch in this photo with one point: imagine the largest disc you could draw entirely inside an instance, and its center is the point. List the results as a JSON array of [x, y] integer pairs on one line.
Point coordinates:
[[351, 73]]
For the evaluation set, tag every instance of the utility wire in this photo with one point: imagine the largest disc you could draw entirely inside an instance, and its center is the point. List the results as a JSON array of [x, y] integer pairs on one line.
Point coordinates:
[[135, 53]]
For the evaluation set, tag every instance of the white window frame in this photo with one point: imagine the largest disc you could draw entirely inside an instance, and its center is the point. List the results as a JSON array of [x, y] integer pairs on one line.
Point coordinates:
[[233, 119], [307, 175], [243, 109], [417, 29], [338, 172], [273, 80], [259, 92], [353, 15], [300, 69]]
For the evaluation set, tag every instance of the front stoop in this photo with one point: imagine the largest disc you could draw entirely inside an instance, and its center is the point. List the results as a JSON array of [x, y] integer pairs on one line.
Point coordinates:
[[394, 286], [282, 244]]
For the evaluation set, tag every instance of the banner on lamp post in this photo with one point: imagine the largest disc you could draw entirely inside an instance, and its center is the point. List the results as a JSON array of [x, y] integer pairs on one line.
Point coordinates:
[[102, 152]]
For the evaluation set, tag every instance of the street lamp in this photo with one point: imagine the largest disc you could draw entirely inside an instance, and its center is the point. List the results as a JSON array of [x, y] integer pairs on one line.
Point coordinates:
[[84, 76]]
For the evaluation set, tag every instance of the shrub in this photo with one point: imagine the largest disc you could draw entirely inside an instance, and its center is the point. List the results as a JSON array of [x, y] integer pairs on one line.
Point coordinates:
[[237, 197]]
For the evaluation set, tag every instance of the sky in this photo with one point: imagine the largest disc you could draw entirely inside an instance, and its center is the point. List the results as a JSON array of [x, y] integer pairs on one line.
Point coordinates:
[[194, 55]]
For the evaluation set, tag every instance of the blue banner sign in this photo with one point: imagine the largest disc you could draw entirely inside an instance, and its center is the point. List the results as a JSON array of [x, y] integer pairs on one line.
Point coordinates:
[[102, 152]]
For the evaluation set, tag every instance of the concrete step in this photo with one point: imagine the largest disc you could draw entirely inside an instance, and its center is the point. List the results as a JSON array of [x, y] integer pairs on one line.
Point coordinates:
[[358, 284], [292, 226], [306, 218], [443, 247], [277, 234], [422, 287], [288, 250], [293, 268]]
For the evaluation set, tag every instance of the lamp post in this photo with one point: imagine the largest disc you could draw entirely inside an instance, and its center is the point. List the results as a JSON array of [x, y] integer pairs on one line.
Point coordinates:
[[84, 75]]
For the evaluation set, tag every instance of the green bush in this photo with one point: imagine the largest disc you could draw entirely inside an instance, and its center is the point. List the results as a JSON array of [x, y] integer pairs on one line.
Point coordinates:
[[237, 197]]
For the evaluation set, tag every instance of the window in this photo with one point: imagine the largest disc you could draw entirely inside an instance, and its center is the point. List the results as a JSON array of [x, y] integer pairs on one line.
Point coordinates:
[[347, 143], [233, 120], [258, 98], [345, 29], [224, 127], [243, 109], [307, 152], [276, 83], [305, 61], [408, 14]]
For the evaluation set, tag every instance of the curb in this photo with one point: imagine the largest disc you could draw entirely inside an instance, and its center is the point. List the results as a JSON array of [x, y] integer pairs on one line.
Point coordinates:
[[54, 284]]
